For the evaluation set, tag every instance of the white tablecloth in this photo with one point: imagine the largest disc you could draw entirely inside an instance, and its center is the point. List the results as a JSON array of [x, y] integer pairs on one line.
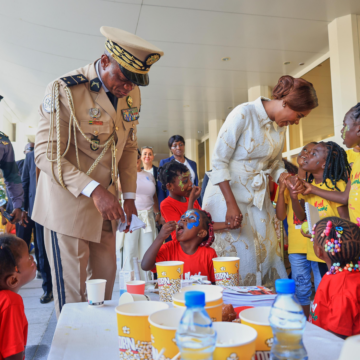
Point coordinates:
[[90, 333]]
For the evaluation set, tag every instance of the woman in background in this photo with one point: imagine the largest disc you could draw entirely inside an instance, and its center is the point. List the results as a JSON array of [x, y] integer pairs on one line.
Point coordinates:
[[135, 244]]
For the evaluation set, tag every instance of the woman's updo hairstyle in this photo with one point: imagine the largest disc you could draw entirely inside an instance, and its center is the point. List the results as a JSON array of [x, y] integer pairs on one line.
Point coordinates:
[[298, 93]]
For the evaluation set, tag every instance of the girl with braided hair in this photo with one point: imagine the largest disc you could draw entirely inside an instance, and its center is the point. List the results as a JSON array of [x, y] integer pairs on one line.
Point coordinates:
[[327, 169], [194, 235], [348, 196], [336, 305], [17, 268]]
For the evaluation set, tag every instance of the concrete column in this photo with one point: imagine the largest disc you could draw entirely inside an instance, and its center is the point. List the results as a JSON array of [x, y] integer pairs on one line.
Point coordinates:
[[214, 128], [344, 40], [191, 149], [257, 91]]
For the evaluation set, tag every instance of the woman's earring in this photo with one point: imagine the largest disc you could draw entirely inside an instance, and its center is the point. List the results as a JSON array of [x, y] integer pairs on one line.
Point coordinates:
[[284, 104]]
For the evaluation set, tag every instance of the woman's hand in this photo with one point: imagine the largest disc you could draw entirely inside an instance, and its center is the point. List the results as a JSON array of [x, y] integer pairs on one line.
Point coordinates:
[[233, 217]]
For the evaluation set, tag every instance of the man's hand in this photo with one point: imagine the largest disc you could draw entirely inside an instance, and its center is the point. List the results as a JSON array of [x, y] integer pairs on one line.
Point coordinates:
[[17, 215], [130, 210], [24, 219], [167, 229], [107, 204]]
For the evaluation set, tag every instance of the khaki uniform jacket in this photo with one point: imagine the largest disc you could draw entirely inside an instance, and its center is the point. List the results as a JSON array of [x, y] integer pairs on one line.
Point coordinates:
[[69, 212]]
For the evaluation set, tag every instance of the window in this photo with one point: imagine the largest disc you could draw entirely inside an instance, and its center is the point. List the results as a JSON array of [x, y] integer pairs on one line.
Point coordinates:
[[319, 124]]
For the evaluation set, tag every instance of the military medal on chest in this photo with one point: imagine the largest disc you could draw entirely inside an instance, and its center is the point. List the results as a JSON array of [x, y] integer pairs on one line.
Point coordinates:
[[95, 114]]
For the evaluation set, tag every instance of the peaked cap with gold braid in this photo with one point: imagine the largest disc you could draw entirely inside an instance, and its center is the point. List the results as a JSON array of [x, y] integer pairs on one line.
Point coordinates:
[[133, 54]]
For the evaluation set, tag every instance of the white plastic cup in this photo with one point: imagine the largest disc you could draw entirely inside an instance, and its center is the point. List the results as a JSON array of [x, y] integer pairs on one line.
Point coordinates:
[[96, 292]]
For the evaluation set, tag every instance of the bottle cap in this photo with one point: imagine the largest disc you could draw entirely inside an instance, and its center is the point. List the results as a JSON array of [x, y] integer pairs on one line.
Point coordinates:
[[194, 299], [285, 286]]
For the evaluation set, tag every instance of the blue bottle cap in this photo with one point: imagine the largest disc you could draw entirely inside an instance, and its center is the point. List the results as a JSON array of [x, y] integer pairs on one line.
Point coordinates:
[[285, 286], [194, 299]]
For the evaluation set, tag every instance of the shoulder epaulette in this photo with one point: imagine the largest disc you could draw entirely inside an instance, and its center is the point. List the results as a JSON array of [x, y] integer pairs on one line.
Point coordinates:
[[2, 135], [74, 80], [95, 85]]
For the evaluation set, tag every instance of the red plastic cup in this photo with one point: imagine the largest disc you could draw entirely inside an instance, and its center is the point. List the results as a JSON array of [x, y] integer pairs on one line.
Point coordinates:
[[135, 287]]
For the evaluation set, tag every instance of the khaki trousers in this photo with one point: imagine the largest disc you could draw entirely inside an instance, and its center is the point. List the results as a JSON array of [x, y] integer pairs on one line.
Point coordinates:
[[73, 261]]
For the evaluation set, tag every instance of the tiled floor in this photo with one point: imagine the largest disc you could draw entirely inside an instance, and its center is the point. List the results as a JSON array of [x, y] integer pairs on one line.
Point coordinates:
[[42, 320]]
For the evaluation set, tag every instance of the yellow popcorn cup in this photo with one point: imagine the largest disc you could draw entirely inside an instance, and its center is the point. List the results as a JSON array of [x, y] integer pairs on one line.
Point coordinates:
[[211, 298], [163, 326], [258, 319], [169, 278], [215, 312], [227, 271], [134, 329], [234, 341]]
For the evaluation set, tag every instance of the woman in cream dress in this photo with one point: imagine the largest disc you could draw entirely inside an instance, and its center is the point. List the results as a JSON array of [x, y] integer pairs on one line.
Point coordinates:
[[248, 150]]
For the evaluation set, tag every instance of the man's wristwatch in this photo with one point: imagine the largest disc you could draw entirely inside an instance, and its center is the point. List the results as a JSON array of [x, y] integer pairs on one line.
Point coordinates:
[[158, 213]]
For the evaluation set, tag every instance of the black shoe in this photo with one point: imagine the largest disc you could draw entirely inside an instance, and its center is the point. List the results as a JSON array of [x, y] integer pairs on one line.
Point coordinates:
[[38, 275], [47, 297]]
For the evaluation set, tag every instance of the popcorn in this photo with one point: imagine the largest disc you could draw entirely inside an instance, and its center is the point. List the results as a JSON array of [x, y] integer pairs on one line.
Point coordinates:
[[126, 330], [232, 280], [167, 291], [143, 352]]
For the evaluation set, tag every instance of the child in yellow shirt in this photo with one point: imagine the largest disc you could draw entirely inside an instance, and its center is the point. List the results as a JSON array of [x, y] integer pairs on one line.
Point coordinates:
[[353, 155], [351, 136], [301, 266]]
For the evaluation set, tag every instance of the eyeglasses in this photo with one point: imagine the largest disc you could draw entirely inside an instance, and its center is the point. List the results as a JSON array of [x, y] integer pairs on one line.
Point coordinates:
[[177, 146]]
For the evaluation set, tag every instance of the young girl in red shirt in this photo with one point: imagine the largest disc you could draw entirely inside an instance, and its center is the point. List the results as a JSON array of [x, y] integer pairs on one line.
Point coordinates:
[[175, 177], [17, 268], [336, 305], [194, 235]]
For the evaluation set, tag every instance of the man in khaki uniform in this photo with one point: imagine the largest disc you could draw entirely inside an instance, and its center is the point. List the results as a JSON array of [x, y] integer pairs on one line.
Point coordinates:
[[86, 137]]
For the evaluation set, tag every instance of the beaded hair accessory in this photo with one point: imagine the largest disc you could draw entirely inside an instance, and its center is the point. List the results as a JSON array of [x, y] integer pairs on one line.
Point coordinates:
[[332, 245], [211, 237], [335, 269]]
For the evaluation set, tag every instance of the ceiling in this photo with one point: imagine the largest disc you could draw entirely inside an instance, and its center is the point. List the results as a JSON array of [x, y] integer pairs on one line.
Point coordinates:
[[41, 40]]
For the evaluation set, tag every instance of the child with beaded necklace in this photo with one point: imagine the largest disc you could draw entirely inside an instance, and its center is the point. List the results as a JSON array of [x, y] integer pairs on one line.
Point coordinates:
[[336, 307]]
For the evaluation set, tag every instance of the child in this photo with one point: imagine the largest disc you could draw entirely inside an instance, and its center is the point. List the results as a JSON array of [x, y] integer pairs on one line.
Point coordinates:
[[194, 235], [353, 154], [351, 136], [336, 306], [17, 268], [175, 177], [301, 266]]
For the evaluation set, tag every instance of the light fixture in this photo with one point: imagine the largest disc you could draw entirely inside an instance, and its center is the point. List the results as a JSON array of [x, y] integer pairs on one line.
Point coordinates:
[[199, 132], [301, 64], [286, 62], [230, 107], [225, 59], [165, 131], [185, 106]]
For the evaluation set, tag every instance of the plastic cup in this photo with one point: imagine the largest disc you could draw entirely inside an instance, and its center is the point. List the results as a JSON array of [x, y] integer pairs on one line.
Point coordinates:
[[169, 278], [258, 319], [227, 271], [234, 341], [135, 287], [163, 326], [134, 330], [95, 290]]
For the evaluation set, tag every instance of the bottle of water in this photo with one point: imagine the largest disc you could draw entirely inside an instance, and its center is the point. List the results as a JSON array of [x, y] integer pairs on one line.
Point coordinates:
[[195, 337], [287, 321]]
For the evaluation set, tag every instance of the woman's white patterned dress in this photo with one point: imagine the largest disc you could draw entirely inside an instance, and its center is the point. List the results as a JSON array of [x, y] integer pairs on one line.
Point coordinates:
[[247, 151]]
